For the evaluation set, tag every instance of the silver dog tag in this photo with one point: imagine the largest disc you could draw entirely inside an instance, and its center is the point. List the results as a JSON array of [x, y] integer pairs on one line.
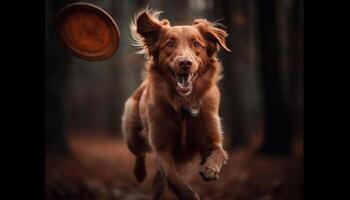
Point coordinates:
[[194, 111]]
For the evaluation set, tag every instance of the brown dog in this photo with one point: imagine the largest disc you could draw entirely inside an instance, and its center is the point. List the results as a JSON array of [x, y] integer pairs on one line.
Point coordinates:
[[175, 110]]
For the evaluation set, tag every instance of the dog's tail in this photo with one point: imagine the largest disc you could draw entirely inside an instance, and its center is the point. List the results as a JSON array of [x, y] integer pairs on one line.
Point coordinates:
[[140, 168]]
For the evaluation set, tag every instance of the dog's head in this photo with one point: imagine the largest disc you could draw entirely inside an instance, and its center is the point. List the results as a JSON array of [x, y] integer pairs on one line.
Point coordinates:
[[181, 53]]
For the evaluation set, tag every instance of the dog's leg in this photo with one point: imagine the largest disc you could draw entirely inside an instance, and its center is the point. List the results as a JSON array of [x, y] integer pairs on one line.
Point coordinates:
[[213, 155], [211, 165], [163, 132], [168, 169], [159, 185], [135, 136], [140, 168]]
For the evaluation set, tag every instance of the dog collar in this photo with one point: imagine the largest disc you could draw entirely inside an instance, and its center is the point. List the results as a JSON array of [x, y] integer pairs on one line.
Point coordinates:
[[192, 111]]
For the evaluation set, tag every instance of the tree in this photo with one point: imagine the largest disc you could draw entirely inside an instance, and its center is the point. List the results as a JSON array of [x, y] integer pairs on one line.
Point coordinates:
[[278, 127], [233, 108], [56, 74]]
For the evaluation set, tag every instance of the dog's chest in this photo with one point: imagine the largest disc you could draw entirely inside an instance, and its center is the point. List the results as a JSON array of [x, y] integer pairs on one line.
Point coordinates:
[[186, 144]]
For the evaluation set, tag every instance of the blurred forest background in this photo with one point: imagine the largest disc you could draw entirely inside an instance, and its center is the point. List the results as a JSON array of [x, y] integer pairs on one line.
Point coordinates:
[[262, 104]]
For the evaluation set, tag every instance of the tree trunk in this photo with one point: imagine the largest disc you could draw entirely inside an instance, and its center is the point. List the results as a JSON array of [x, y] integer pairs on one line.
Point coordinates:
[[232, 109], [278, 130], [56, 68]]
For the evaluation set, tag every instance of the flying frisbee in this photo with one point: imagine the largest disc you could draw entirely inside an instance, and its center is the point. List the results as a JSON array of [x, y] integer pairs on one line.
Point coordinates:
[[87, 31]]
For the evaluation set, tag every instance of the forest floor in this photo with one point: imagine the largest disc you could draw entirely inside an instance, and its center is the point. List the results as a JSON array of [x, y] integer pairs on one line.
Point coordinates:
[[100, 167]]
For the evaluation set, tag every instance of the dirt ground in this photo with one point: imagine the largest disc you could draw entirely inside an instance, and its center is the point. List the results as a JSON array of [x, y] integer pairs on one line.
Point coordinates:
[[100, 167]]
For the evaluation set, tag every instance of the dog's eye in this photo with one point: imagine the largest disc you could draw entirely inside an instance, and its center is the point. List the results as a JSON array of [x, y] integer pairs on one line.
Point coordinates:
[[170, 44], [196, 44]]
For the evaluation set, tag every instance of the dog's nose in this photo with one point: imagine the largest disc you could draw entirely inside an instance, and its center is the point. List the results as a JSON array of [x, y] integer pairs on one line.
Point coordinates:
[[185, 63]]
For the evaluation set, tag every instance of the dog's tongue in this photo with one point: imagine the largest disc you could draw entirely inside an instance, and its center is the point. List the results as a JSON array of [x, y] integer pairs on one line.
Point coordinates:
[[184, 80]]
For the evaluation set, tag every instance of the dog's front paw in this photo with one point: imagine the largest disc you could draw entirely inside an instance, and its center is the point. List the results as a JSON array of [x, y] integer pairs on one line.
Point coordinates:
[[140, 169], [209, 172], [196, 196], [212, 166]]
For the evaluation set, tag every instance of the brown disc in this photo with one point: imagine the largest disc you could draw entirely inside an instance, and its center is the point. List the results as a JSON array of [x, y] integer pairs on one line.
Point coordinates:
[[87, 31]]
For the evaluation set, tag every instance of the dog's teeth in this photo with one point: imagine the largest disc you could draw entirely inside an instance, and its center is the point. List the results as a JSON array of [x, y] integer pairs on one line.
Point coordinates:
[[182, 80], [192, 75]]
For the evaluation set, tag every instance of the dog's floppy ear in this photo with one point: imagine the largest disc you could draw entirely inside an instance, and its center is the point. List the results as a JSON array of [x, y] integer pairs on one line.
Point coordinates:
[[148, 27], [145, 31], [214, 36]]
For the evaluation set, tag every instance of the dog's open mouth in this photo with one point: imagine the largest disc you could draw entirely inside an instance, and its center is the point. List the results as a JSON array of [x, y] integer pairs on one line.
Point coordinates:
[[184, 82]]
